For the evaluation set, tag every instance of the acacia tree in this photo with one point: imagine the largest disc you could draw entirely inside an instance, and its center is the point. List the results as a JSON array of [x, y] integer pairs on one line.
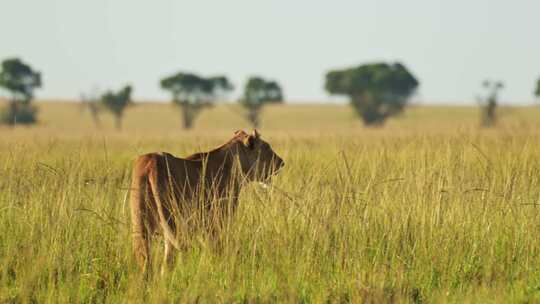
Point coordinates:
[[537, 92], [92, 103], [117, 102], [257, 93], [490, 101], [193, 93], [20, 80], [376, 91]]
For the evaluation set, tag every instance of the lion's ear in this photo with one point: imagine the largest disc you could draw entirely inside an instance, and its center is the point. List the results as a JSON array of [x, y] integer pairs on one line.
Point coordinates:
[[256, 133], [249, 141], [238, 132]]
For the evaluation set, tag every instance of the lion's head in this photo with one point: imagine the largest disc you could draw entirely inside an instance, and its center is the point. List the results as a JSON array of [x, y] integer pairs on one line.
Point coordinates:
[[259, 162]]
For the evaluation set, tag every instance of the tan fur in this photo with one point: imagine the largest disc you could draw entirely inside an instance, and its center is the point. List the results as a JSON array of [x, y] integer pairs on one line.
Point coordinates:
[[166, 188]]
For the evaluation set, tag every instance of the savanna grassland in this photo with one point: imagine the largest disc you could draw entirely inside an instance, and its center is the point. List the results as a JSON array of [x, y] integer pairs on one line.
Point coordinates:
[[428, 209]]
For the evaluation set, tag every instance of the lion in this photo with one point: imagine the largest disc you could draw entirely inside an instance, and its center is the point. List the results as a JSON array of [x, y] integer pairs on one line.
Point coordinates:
[[167, 190]]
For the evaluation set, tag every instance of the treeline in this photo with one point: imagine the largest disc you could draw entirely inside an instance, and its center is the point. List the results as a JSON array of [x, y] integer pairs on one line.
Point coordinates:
[[376, 91]]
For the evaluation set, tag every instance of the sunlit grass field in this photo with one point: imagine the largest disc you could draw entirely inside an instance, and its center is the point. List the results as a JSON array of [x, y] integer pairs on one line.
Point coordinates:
[[429, 209]]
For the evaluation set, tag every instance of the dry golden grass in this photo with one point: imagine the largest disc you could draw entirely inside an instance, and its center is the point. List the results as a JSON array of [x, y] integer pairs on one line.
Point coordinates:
[[429, 208]]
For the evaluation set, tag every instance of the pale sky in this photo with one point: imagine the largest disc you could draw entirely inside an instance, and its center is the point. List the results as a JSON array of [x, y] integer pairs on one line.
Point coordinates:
[[451, 45]]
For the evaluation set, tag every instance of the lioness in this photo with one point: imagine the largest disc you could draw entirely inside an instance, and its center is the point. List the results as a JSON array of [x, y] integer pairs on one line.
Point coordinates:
[[166, 188]]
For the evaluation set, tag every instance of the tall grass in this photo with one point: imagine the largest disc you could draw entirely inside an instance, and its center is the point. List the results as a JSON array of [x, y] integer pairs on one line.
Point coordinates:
[[397, 215]]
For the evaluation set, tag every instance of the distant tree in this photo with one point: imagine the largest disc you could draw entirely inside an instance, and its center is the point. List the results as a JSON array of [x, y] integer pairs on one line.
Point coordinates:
[[537, 92], [20, 80], [116, 103], [92, 103], [490, 101], [192, 93], [257, 93], [376, 91]]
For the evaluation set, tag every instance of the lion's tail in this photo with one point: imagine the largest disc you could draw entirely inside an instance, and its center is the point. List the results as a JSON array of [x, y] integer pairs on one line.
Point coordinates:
[[163, 221], [139, 220]]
